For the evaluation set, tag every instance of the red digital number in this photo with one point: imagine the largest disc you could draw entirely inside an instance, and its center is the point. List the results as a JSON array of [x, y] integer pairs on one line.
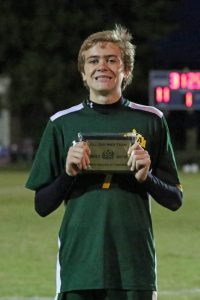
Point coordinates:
[[193, 81], [183, 81], [189, 80], [162, 94], [174, 80], [188, 99]]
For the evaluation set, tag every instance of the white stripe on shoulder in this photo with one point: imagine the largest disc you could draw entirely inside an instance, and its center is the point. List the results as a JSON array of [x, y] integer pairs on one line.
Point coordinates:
[[66, 111], [150, 109]]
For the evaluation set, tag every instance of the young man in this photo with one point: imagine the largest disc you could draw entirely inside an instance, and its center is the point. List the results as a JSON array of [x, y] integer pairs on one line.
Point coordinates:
[[106, 245]]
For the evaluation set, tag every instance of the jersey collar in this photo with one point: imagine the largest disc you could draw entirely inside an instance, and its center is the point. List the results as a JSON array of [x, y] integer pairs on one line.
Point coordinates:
[[105, 107]]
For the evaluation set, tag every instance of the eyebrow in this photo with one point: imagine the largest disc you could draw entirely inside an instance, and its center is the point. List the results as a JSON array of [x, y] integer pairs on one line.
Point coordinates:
[[104, 56]]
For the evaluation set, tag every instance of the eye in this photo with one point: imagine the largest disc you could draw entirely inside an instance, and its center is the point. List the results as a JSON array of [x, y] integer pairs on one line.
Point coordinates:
[[112, 60], [93, 61]]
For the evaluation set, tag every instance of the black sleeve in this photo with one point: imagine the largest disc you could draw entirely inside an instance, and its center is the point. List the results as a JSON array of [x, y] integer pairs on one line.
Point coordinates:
[[49, 198], [169, 196]]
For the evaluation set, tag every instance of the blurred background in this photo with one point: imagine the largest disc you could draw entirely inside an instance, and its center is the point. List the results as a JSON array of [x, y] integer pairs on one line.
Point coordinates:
[[39, 44]]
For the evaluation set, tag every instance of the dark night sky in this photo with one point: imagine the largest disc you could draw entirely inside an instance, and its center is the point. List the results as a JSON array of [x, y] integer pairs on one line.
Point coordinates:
[[182, 48]]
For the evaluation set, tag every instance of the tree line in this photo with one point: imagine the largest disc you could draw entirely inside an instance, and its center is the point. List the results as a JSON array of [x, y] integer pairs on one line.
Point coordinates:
[[40, 41]]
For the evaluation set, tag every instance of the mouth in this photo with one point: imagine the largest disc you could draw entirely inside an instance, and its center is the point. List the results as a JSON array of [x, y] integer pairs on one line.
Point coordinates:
[[103, 77]]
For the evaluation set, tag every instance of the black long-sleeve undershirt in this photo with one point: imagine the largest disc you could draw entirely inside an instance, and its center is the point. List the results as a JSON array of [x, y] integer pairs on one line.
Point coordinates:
[[49, 198], [169, 196]]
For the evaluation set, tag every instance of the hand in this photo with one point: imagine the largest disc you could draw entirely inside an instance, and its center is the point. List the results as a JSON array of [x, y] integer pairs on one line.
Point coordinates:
[[139, 162], [77, 158]]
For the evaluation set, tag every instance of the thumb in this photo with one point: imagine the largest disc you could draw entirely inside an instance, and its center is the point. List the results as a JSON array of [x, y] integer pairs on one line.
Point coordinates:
[[135, 146]]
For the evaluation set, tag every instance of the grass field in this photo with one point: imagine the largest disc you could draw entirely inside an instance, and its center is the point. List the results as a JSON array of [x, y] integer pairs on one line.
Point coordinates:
[[28, 243]]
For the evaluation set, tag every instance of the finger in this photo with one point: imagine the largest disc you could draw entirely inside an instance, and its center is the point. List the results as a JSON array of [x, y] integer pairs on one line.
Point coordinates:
[[133, 147], [140, 164], [82, 160], [73, 158], [87, 148], [85, 162], [86, 154], [81, 148], [132, 161], [78, 150], [74, 149], [143, 161], [138, 158]]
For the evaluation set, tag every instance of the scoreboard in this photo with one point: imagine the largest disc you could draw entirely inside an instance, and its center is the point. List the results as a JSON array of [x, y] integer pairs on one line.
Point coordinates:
[[174, 90]]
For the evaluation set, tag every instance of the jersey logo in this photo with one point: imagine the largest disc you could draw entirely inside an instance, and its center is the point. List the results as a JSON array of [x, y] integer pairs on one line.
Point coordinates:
[[140, 139]]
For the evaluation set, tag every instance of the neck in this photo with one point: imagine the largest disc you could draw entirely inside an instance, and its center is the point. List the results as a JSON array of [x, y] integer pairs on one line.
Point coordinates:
[[105, 99], [105, 107]]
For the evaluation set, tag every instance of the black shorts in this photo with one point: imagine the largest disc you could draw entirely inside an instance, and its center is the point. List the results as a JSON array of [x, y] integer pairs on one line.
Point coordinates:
[[108, 295]]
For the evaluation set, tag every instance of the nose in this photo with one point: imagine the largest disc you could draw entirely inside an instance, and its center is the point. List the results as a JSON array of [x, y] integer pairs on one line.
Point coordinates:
[[102, 65]]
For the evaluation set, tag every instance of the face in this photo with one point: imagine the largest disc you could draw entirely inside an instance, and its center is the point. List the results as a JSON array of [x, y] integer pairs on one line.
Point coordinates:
[[104, 71]]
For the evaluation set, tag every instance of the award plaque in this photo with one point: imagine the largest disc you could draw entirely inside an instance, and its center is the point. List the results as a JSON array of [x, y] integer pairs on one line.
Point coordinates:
[[108, 151]]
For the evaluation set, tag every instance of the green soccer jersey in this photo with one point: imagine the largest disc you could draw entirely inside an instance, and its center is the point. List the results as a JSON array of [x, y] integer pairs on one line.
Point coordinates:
[[106, 238]]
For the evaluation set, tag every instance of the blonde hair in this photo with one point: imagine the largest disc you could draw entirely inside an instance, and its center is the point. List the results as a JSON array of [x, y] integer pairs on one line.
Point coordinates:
[[119, 36]]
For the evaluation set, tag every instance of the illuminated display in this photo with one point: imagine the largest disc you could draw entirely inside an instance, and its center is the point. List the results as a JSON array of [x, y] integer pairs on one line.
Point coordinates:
[[174, 90]]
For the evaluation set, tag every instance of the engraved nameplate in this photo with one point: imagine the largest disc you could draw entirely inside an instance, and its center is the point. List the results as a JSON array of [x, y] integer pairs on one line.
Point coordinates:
[[108, 151]]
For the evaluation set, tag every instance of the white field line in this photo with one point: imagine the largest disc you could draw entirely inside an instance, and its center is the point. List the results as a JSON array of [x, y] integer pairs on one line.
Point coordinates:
[[194, 291], [188, 292]]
